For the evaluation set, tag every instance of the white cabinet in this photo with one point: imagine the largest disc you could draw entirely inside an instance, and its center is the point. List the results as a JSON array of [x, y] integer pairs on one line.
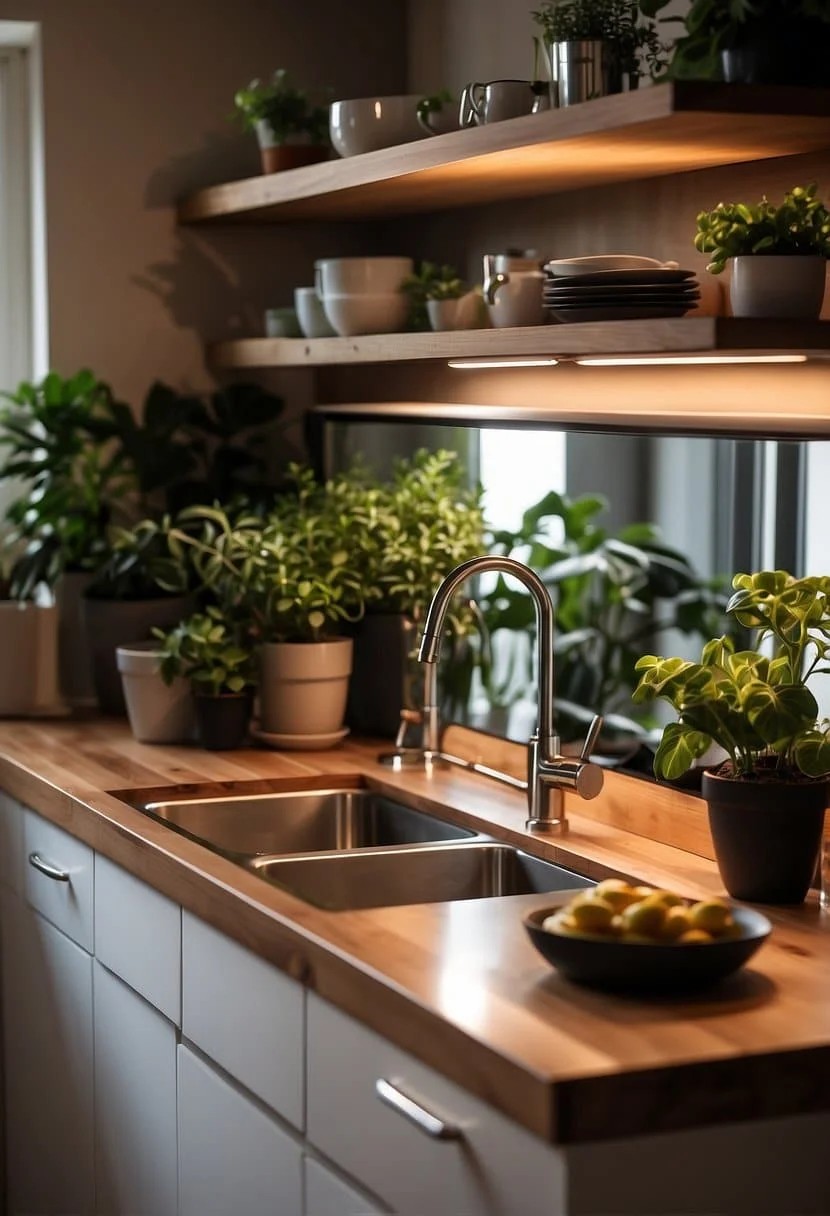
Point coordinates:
[[472, 1162], [135, 1103], [234, 1157], [58, 878], [326, 1194], [48, 1050]]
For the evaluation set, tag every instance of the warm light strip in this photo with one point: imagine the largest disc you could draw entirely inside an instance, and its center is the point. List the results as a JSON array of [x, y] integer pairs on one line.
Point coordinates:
[[686, 360], [485, 363]]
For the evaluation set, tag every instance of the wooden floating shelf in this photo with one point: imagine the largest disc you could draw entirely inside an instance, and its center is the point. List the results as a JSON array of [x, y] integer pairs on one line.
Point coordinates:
[[683, 336], [651, 132]]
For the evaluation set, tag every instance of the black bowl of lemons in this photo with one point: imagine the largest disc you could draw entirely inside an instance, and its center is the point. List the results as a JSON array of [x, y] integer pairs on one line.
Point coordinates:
[[643, 939]]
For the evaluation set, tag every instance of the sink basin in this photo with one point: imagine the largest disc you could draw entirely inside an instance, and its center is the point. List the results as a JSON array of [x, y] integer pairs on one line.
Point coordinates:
[[245, 826], [429, 874]]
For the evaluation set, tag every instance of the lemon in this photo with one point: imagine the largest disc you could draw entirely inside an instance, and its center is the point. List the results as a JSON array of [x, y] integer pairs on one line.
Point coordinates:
[[675, 924], [644, 918], [643, 892], [616, 892], [694, 937], [711, 915], [667, 898], [592, 915]]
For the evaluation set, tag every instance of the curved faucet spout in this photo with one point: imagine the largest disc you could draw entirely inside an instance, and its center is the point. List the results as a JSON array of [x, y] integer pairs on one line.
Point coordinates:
[[430, 647]]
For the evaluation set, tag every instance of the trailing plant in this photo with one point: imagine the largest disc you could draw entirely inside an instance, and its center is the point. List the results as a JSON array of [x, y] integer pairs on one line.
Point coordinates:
[[753, 703], [60, 438], [611, 593], [624, 24], [799, 225], [286, 110], [714, 26], [207, 650]]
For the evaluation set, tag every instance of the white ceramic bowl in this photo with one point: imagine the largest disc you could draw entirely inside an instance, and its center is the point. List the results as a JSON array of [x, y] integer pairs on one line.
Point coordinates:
[[360, 276], [366, 314], [609, 261], [310, 313], [364, 124]]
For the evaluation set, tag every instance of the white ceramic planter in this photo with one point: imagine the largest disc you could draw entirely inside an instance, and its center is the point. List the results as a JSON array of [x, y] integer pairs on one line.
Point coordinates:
[[303, 686], [158, 712], [28, 659], [777, 286]]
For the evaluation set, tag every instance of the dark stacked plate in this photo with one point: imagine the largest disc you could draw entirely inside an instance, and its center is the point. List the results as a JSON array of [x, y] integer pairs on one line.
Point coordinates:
[[619, 295]]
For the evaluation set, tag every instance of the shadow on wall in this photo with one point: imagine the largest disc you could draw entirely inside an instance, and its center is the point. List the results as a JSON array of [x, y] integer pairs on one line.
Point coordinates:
[[220, 158]]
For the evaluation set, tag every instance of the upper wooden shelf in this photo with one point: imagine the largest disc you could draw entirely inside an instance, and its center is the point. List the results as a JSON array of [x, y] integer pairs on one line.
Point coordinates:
[[683, 336], [651, 132]]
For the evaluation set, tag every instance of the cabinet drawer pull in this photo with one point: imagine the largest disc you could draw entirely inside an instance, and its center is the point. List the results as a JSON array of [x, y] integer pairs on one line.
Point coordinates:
[[46, 868], [411, 1110]]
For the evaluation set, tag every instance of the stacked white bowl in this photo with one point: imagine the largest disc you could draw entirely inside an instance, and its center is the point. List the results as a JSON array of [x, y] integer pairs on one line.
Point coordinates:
[[363, 295]]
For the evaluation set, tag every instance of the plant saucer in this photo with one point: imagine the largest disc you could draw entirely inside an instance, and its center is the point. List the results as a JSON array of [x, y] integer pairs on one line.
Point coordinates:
[[299, 743]]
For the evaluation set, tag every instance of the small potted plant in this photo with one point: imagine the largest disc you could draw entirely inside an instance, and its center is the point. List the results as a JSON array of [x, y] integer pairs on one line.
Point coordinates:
[[751, 41], [439, 297], [220, 665], [766, 801], [290, 130], [438, 113], [779, 253], [596, 46]]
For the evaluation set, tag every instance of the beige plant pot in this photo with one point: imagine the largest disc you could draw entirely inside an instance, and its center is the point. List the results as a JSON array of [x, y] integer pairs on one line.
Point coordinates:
[[28, 659], [303, 686]]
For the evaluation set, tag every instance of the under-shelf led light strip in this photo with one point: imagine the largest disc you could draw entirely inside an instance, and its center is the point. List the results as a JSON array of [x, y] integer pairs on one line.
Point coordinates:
[[626, 361]]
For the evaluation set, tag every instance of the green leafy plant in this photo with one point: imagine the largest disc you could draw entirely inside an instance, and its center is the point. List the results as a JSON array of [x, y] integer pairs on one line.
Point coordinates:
[[60, 438], [611, 594], [430, 282], [285, 109], [714, 26], [433, 104], [755, 704], [799, 225], [141, 564], [624, 24], [206, 650]]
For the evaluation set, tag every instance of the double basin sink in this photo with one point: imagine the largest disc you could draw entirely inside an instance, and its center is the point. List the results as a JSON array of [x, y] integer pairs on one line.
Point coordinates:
[[348, 846]]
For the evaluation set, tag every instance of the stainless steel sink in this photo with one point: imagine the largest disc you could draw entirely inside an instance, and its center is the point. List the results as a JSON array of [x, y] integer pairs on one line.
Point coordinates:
[[246, 826], [428, 874]]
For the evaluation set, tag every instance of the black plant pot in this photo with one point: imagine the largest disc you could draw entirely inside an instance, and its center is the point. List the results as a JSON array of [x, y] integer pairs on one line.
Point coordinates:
[[384, 671], [222, 722], [797, 54], [767, 835]]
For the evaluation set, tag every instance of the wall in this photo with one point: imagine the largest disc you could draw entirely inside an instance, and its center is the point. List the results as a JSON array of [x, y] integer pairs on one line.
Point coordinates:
[[138, 95]]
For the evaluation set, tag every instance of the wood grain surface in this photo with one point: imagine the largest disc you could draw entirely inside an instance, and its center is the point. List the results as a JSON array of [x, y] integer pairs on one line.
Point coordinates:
[[459, 985]]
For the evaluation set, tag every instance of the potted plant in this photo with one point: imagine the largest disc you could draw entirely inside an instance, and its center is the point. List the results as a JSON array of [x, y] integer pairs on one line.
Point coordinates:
[[438, 112], [439, 298], [292, 579], [766, 801], [212, 655], [290, 130], [779, 253], [751, 41], [596, 46]]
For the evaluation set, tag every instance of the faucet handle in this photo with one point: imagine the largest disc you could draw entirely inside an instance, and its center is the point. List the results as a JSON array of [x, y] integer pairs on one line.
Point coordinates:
[[592, 737]]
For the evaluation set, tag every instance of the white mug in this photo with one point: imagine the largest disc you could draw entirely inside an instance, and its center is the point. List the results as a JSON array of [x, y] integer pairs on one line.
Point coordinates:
[[495, 101]]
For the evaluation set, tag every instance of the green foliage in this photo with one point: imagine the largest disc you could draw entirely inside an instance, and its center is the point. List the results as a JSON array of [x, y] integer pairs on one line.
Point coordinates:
[[60, 440], [755, 704], [799, 225], [284, 108], [625, 24], [430, 282], [141, 564], [433, 104], [207, 650], [713, 26], [611, 593]]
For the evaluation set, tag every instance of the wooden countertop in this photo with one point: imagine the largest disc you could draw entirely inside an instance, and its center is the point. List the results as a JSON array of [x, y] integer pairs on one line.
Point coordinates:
[[459, 985]]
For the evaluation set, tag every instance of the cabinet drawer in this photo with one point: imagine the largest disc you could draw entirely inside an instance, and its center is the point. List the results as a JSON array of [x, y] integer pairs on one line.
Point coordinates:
[[328, 1195], [491, 1168], [11, 844], [138, 936], [246, 1015], [59, 878]]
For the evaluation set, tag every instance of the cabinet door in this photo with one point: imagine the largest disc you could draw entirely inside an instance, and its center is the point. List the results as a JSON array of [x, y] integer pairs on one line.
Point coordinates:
[[233, 1157], [328, 1195], [47, 1041], [135, 1103]]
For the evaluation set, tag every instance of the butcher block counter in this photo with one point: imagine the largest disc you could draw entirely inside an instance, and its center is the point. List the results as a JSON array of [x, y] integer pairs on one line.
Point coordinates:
[[459, 985]]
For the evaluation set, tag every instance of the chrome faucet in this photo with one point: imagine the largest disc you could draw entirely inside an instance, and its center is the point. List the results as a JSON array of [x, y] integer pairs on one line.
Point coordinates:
[[549, 773]]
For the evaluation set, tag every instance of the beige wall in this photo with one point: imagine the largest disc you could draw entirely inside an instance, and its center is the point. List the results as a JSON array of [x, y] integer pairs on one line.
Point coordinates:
[[137, 99]]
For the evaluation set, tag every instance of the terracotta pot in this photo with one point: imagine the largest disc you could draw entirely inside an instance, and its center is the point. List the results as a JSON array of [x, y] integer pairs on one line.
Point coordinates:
[[767, 835], [304, 686], [222, 721], [158, 712], [291, 156]]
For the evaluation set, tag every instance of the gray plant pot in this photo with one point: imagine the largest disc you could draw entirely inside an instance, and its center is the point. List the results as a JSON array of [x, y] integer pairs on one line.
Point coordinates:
[[112, 623]]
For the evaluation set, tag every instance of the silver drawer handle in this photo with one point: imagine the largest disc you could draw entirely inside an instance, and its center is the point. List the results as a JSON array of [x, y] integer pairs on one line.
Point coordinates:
[[410, 1109], [49, 870]]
